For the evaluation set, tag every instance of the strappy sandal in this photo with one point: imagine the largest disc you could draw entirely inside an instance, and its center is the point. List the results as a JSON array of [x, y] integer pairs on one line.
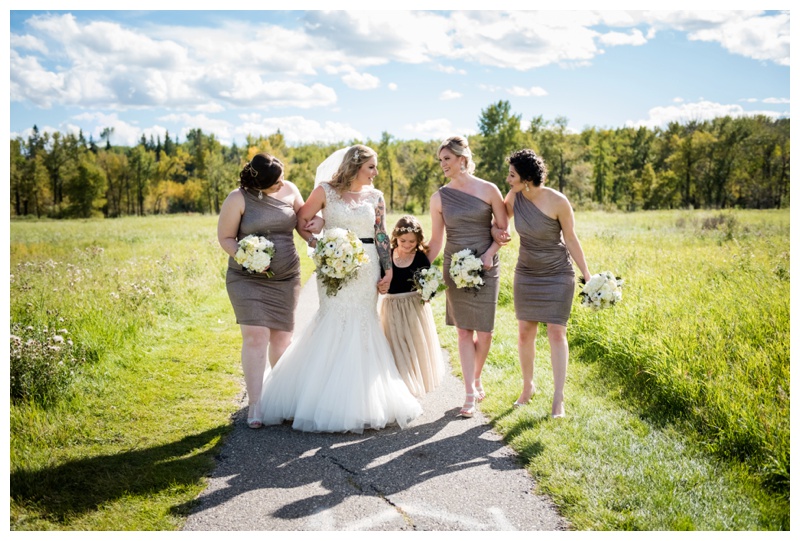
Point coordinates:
[[468, 410], [479, 389], [254, 422]]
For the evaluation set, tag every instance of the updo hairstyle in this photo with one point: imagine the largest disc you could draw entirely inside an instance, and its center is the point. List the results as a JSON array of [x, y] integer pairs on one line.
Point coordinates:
[[530, 167], [460, 147], [261, 172]]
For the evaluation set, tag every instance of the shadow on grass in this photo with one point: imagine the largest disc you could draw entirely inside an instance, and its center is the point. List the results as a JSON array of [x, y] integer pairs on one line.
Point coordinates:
[[80, 486], [512, 429]]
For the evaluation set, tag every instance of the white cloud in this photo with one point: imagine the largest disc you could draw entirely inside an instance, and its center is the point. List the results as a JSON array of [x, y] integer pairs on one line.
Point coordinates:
[[697, 111], [392, 86], [450, 69], [776, 100], [450, 95], [752, 34], [490, 88], [297, 129], [677, 100], [125, 133], [437, 128], [249, 90], [749, 100], [536, 91], [361, 81], [635, 37], [28, 42], [222, 129]]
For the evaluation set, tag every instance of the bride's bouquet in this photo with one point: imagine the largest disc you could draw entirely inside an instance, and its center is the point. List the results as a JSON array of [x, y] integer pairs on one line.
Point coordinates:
[[338, 256], [466, 270], [603, 290], [429, 282], [255, 254]]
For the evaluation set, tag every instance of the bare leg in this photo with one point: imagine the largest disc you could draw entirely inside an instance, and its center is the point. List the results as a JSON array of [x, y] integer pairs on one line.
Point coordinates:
[[526, 343], [254, 359], [482, 341], [559, 357], [466, 354], [278, 342]]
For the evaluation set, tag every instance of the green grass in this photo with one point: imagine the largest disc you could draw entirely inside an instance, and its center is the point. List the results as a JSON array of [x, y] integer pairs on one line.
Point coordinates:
[[678, 397], [666, 425], [131, 442]]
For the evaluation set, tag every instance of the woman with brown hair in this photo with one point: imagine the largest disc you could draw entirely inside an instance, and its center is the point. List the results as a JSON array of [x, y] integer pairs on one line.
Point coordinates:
[[264, 205], [407, 321]]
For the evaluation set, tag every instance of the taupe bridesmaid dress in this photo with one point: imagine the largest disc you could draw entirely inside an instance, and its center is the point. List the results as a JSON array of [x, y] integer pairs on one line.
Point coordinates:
[[468, 224], [544, 279], [256, 299]]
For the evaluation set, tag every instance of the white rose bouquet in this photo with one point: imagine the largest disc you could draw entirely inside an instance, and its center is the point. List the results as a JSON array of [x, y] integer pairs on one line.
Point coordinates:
[[255, 254], [428, 282], [338, 256], [466, 270], [603, 290]]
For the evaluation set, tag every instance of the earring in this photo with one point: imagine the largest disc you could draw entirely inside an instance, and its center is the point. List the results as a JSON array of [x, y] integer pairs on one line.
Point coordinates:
[[527, 186], [463, 168], [260, 194]]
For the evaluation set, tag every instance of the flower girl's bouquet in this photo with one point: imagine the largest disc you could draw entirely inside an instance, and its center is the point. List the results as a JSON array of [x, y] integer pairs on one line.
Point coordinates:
[[602, 291], [466, 270], [338, 256], [255, 254], [428, 282]]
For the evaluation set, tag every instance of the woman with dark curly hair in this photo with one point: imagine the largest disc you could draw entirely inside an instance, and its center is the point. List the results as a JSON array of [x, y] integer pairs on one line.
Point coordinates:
[[265, 205], [544, 279]]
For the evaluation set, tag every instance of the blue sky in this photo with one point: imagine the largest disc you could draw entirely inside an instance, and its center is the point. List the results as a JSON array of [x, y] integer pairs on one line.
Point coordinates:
[[342, 75]]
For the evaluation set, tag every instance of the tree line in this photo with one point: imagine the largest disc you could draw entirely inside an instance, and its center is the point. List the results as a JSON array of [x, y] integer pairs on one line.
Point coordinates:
[[725, 162]]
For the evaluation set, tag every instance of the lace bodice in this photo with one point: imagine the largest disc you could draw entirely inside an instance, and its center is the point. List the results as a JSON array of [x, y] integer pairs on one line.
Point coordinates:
[[356, 212], [353, 211]]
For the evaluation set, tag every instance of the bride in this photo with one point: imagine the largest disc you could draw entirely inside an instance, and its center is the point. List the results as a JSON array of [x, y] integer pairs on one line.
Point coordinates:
[[339, 375]]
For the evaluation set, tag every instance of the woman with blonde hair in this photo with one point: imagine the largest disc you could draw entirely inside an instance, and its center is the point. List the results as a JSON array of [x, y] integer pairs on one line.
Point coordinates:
[[340, 374], [464, 209]]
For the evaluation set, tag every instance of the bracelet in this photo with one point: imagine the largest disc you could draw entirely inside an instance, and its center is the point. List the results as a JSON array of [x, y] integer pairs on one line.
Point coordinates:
[[312, 237]]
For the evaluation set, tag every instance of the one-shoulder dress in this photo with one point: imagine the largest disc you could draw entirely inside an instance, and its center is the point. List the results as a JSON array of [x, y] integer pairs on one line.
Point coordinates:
[[257, 299], [468, 224], [544, 279]]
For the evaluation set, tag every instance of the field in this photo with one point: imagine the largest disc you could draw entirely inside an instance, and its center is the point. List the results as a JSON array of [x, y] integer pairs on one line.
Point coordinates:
[[125, 373]]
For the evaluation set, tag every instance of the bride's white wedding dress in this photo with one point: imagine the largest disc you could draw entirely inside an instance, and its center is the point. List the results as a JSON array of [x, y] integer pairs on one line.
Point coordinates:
[[339, 375]]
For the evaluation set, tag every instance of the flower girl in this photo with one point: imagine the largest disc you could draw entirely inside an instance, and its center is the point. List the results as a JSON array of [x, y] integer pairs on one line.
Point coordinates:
[[406, 315]]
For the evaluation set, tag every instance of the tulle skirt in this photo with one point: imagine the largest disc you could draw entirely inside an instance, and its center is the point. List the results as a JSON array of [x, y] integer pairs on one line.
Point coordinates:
[[411, 333], [338, 376]]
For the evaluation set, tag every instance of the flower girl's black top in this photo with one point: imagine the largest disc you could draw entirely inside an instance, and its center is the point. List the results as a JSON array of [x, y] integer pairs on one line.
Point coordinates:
[[403, 277]]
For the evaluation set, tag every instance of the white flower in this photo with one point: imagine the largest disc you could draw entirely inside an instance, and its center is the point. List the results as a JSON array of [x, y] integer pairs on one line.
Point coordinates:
[[255, 254], [338, 256], [602, 291]]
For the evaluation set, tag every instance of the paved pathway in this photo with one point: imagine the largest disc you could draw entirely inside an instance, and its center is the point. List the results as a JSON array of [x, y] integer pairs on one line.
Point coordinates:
[[440, 473]]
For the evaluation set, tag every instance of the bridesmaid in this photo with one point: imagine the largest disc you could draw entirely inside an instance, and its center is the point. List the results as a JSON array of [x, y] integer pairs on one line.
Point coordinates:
[[464, 210], [265, 204], [544, 280]]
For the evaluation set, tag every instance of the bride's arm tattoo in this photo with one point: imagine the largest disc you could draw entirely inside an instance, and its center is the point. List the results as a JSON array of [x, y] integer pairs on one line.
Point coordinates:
[[381, 238]]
